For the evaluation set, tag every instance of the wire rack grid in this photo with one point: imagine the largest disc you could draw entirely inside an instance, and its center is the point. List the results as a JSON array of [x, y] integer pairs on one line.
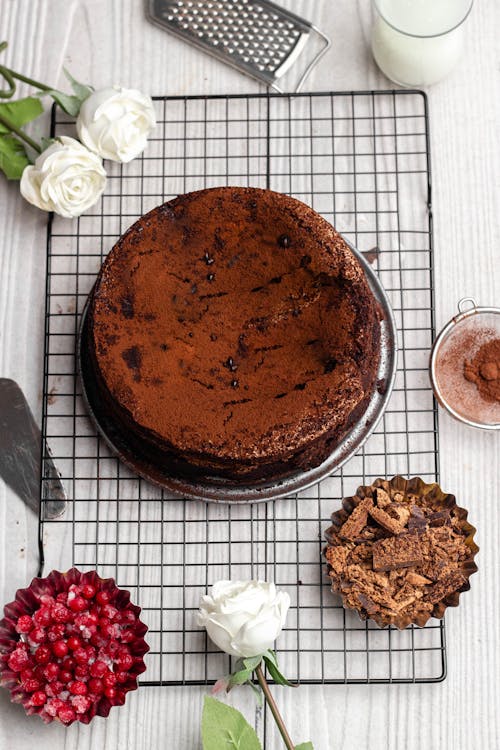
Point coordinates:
[[361, 160]]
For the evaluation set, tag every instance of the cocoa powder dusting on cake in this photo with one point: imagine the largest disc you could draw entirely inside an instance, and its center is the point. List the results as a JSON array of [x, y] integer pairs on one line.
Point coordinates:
[[484, 370]]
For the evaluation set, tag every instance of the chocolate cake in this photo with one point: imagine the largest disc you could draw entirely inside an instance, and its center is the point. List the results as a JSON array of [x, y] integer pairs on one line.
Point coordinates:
[[231, 332], [400, 552]]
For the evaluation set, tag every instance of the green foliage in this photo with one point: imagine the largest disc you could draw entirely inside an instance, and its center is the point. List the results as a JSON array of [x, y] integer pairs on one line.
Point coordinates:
[[81, 90], [272, 667], [13, 157], [20, 112], [225, 728], [304, 746], [70, 103]]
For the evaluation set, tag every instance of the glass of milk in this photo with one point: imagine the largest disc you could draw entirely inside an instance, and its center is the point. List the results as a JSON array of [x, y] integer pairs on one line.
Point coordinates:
[[418, 42]]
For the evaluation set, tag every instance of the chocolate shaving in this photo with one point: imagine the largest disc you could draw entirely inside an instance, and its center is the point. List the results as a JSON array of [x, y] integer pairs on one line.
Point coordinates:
[[386, 521], [356, 522], [439, 518], [397, 552], [451, 582]]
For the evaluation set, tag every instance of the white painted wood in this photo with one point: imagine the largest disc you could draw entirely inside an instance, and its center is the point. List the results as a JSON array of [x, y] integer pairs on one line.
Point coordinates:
[[111, 41]]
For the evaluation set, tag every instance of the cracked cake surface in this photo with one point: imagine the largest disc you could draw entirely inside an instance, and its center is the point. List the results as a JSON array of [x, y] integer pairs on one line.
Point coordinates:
[[232, 332]]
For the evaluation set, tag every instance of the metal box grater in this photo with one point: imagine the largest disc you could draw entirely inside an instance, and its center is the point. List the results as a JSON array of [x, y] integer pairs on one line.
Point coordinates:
[[258, 38]]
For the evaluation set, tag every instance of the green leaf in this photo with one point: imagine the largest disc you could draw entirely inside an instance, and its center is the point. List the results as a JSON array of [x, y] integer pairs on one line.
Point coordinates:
[[239, 678], [252, 662], [225, 728], [68, 103], [46, 142], [13, 157], [304, 746], [81, 90], [20, 111], [275, 673]]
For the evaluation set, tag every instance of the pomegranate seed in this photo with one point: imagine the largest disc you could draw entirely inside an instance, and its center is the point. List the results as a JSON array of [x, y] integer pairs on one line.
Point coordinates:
[[42, 617], [65, 676], [43, 654], [98, 640], [54, 688], [98, 669], [60, 613], [78, 604], [32, 685], [109, 611], [112, 648], [62, 597], [110, 692], [56, 632], [127, 636], [124, 660], [38, 672], [121, 677], [128, 617], [53, 706], [26, 674], [24, 624], [109, 679], [102, 597], [51, 671], [66, 714], [80, 703], [38, 698], [88, 591], [80, 656], [60, 648], [81, 671], [78, 688], [91, 652], [47, 599], [74, 642], [19, 660], [68, 663], [38, 635], [96, 685]]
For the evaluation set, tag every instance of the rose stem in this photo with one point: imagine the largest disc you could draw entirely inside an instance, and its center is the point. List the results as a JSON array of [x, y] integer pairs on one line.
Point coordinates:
[[20, 77], [274, 708], [14, 129]]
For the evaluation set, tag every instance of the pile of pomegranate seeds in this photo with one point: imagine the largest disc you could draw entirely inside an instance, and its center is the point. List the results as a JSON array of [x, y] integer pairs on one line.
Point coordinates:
[[75, 652]]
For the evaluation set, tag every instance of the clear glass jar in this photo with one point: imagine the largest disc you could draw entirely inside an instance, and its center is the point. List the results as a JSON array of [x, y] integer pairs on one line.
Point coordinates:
[[418, 42]]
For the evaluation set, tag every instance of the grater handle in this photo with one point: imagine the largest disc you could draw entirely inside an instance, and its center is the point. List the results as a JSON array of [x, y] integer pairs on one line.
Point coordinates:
[[327, 43]]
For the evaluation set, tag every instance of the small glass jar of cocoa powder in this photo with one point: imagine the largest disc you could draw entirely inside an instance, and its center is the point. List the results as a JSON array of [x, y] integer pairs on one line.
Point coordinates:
[[465, 365]]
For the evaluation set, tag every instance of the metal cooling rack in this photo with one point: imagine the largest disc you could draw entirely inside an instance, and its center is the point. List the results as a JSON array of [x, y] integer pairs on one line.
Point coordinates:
[[361, 160]]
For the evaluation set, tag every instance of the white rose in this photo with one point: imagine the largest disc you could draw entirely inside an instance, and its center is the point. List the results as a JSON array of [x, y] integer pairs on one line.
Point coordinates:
[[116, 122], [66, 178], [244, 618]]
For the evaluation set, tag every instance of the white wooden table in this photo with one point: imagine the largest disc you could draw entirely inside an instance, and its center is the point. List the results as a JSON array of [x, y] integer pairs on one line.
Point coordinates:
[[106, 42]]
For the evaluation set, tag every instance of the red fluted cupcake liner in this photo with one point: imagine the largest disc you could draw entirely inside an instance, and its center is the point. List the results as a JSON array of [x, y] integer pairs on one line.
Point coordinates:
[[71, 646]]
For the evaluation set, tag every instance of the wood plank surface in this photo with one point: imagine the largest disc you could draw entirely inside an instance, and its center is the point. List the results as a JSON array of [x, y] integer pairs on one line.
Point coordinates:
[[108, 41]]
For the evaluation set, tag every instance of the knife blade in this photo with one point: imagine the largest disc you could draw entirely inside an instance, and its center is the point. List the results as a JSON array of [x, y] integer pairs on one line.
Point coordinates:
[[20, 453]]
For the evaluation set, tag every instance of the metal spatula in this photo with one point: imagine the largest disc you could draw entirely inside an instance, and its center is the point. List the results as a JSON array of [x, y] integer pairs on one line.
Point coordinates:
[[20, 452]]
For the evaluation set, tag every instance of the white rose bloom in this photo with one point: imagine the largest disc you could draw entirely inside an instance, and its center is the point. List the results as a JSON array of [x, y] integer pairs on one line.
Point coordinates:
[[244, 618], [116, 122], [66, 178]]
